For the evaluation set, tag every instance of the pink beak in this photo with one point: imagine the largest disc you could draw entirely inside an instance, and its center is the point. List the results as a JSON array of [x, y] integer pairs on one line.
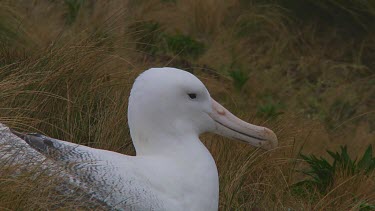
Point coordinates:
[[231, 126]]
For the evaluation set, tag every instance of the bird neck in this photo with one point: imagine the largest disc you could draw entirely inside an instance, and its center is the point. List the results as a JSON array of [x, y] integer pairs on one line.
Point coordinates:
[[166, 144], [180, 166]]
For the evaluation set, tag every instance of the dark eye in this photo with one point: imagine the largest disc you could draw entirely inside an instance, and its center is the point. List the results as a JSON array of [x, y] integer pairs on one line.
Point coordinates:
[[192, 95]]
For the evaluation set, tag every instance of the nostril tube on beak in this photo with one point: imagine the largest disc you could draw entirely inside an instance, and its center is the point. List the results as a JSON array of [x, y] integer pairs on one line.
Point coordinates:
[[220, 111], [218, 108]]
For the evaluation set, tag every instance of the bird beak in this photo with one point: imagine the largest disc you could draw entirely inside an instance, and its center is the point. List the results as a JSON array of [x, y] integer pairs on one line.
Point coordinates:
[[228, 125]]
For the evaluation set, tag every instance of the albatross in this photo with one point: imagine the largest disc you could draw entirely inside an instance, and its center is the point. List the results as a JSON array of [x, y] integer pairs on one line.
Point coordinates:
[[172, 170]]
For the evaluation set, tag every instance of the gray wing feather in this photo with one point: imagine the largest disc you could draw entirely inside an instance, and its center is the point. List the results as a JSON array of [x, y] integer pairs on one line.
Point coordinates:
[[101, 174], [53, 148], [25, 155]]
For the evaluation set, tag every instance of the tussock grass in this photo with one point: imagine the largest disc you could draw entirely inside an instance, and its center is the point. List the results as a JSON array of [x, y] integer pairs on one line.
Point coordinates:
[[67, 72]]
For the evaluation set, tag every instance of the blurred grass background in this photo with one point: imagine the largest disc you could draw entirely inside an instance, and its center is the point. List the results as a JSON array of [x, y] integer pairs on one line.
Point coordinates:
[[303, 68]]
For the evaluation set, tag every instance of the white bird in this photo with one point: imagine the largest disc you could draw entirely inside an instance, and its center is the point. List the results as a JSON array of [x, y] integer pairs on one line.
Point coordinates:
[[172, 170]]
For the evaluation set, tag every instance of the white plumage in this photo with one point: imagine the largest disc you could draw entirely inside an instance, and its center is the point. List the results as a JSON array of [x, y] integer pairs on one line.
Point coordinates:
[[168, 110]]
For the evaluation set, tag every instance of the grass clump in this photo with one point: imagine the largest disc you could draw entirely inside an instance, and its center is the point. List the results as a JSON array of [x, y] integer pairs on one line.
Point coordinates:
[[152, 39], [323, 175], [269, 108], [339, 111], [184, 46], [73, 8], [239, 78], [148, 36]]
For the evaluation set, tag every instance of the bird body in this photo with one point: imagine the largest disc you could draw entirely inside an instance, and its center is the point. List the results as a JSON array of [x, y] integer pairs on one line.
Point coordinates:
[[172, 170]]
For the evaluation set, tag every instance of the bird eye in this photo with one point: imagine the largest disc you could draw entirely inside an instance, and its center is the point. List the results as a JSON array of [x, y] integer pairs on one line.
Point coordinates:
[[192, 95]]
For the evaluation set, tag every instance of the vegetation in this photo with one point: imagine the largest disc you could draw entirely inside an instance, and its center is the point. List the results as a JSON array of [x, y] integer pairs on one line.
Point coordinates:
[[302, 68], [323, 174]]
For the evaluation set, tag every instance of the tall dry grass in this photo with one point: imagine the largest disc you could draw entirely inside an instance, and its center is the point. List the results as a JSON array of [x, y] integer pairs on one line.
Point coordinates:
[[71, 80]]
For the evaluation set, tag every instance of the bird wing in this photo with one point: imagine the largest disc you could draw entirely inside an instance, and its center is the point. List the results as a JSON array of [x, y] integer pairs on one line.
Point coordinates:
[[17, 157], [108, 176]]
